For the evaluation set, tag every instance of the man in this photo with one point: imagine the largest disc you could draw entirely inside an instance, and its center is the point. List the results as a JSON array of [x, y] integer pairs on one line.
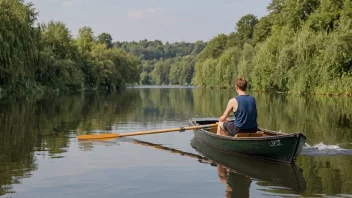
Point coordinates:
[[245, 110]]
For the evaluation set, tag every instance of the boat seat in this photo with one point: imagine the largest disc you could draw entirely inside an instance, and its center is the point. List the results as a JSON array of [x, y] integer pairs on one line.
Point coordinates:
[[257, 134]]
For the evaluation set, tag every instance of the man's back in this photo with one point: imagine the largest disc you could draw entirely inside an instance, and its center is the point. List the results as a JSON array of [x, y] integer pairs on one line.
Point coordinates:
[[246, 113]]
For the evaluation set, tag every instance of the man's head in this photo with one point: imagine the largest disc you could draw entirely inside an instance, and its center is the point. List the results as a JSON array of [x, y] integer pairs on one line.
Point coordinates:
[[241, 84]]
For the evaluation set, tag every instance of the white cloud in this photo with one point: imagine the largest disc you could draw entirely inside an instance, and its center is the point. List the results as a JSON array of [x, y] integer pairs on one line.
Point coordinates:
[[141, 14]]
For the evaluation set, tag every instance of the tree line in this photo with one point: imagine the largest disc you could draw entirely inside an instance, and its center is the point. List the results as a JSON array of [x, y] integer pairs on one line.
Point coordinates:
[[36, 57], [302, 46], [164, 64]]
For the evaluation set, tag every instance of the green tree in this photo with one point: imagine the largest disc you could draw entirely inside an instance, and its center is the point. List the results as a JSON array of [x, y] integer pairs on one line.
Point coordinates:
[[85, 39], [245, 27], [276, 11], [262, 30], [105, 38], [116, 68], [45, 57], [57, 37], [298, 11], [300, 46], [215, 47], [19, 45], [160, 74]]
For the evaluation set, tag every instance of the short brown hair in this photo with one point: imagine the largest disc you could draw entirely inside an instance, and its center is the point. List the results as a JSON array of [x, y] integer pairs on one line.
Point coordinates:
[[241, 83]]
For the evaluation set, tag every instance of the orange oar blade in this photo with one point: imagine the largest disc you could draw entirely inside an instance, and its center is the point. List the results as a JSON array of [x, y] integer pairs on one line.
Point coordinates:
[[97, 136]]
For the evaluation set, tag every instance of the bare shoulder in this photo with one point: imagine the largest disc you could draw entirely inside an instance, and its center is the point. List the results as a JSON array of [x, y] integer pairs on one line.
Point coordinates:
[[233, 101]]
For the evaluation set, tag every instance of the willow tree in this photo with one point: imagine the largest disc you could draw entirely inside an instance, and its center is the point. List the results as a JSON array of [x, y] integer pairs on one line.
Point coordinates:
[[115, 68], [59, 59], [19, 41]]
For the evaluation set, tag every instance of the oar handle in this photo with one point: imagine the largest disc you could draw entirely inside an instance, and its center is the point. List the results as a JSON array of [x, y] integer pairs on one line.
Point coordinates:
[[114, 135]]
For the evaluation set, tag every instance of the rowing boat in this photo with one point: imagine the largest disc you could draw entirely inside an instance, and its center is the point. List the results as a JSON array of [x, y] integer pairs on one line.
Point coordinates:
[[265, 144]]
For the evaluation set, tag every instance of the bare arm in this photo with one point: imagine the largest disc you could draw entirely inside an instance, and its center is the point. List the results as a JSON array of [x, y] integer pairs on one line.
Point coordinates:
[[231, 107]]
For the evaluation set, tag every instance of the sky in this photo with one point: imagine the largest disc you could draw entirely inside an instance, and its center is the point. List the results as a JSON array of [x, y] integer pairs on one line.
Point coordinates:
[[165, 20]]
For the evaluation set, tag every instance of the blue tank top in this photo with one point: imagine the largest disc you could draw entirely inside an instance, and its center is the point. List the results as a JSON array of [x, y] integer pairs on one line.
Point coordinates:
[[246, 114]]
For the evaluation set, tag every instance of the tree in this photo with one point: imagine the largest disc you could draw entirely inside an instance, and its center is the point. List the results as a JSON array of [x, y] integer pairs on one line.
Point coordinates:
[[58, 37], [105, 38], [19, 45], [198, 48], [215, 47], [276, 10], [262, 30], [245, 27], [298, 11], [58, 59], [116, 67], [85, 39]]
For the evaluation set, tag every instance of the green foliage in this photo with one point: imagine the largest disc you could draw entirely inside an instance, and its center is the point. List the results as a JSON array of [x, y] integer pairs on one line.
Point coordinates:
[[59, 69], [327, 16], [245, 27], [85, 40], [262, 30], [160, 73], [47, 57], [19, 45], [145, 78], [57, 37], [233, 40], [276, 11], [105, 38], [181, 71], [116, 68], [215, 47], [245, 65], [59, 74], [164, 63], [155, 50], [301, 46]]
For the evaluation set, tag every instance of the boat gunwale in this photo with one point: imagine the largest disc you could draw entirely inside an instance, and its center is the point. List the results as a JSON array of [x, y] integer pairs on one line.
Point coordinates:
[[279, 135]]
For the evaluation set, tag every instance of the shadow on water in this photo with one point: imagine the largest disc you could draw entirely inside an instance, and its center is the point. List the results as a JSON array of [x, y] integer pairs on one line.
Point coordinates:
[[240, 171], [237, 172]]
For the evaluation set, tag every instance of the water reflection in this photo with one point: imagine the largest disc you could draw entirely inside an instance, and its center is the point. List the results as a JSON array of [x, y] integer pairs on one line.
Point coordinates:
[[237, 172], [48, 125], [237, 185]]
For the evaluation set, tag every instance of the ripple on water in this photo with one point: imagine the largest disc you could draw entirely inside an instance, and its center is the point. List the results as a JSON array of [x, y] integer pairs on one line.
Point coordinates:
[[322, 149]]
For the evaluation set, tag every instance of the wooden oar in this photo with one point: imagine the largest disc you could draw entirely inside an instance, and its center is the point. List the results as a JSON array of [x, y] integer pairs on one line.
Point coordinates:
[[115, 135]]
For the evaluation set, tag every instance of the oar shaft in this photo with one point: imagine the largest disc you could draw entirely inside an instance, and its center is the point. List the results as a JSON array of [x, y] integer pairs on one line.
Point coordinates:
[[164, 130], [105, 136]]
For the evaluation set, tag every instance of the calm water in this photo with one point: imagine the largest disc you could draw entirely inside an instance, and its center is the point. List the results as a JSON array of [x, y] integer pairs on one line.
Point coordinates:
[[41, 157]]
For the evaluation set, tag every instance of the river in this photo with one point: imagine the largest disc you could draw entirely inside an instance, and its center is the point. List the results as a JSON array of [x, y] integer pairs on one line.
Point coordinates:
[[40, 155]]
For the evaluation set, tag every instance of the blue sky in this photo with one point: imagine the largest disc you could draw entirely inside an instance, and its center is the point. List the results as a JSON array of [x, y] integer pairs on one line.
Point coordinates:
[[165, 20]]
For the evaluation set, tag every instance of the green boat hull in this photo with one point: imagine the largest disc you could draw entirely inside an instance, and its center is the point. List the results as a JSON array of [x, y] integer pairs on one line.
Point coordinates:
[[282, 147]]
